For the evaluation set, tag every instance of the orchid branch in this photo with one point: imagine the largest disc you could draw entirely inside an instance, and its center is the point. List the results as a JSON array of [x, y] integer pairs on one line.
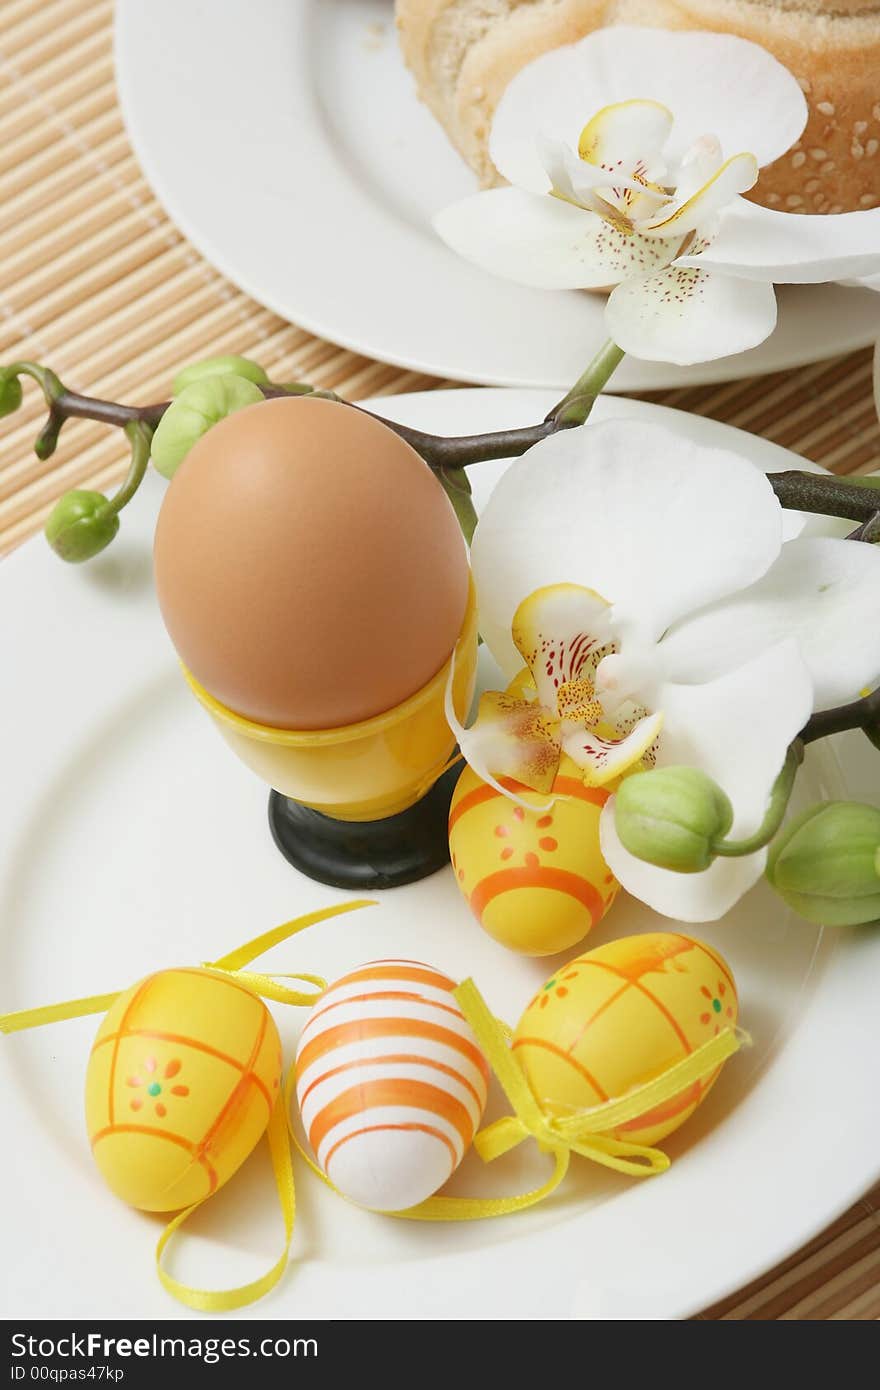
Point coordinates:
[[447, 456], [577, 403], [825, 495], [63, 405], [861, 714]]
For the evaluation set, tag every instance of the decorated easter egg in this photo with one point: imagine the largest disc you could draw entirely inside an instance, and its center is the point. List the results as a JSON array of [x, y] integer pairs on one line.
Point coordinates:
[[390, 1082], [180, 1084], [616, 1018], [534, 879]]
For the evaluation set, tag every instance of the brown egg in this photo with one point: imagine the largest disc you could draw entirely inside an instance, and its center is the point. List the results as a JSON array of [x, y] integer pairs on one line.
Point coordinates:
[[309, 566]]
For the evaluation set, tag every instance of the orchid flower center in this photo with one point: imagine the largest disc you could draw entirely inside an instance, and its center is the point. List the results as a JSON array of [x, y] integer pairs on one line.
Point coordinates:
[[554, 708], [622, 173]]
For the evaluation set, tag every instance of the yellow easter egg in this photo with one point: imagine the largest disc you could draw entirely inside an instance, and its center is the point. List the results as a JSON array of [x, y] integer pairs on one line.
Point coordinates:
[[180, 1084], [618, 1016], [535, 880]]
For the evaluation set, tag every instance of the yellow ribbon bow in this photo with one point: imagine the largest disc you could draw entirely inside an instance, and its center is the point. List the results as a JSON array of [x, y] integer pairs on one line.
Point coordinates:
[[588, 1132], [585, 1133], [224, 1300]]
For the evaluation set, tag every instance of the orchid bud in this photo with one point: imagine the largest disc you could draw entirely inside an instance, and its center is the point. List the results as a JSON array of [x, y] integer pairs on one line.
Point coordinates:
[[672, 817], [219, 366], [10, 394], [826, 864], [198, 407], [80, 525]]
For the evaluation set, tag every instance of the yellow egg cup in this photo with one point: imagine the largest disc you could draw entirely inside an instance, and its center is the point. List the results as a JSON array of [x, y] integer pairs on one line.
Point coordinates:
[[375, 771]]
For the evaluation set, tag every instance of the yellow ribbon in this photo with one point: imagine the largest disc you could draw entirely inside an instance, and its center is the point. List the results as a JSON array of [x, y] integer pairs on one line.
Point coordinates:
[[224, 1300], [231, 964], [56, 1013], [585, 1133], [227, 1300]]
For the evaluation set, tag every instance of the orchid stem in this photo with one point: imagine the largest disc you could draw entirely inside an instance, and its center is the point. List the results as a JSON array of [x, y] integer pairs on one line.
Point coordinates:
[[576, 404], [824, 495], [447, 456], [861, 714], [458, 489], [779, 799], [140, 437], [868, 531], [63, 405]]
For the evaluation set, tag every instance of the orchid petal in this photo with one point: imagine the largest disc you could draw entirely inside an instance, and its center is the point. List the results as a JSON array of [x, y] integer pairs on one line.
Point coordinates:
[[656, 523], [575, 181], [686, 315], [701, 897], [709, 81], [823, 592], [737, 730], [546, 242], [701, 163], [629, 675], [510, 737], [737, 727], [686, 214], [602, 754], [756, 243], [560, 631], [627, 136]]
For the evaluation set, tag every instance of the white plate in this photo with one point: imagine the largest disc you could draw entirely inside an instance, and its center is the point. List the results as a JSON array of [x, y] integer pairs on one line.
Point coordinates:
[[285, 139], [130, 839]]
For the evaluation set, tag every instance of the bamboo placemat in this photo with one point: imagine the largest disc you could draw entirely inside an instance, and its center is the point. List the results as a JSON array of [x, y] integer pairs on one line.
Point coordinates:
[[98, 283]]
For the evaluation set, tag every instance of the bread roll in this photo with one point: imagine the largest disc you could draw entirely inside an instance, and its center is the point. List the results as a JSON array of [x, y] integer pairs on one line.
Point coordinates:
[[463, 53]]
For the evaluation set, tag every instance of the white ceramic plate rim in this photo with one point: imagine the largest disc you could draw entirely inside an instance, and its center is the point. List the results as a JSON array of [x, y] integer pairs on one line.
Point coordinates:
[[805, 1143], [283, 215]]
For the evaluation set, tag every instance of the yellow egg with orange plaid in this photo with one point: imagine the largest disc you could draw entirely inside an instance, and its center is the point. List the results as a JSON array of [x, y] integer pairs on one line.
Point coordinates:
[[619, 1016], [534, 879], [180, 1084]]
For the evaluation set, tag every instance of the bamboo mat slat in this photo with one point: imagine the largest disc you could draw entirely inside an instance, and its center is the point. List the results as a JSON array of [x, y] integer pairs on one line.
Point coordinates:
[[96, 281]]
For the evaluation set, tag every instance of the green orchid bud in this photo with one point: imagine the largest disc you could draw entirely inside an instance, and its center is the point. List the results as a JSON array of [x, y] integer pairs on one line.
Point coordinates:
[[219, 366], [672, 817], [10, 394], [80, 525], [826, 864], [196, 409]]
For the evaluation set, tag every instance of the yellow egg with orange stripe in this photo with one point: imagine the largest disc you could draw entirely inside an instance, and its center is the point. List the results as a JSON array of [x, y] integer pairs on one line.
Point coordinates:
[[180, 1084], [619, 1016], [390, 1083], [534, 879]]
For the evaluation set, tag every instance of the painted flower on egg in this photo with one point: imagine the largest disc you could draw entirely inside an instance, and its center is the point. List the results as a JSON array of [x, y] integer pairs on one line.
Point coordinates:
[[669, 613], [151, 1084]]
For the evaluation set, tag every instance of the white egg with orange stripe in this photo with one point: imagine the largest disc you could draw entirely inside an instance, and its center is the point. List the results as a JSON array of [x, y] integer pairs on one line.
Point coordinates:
[[535, 879], [390, 1082]]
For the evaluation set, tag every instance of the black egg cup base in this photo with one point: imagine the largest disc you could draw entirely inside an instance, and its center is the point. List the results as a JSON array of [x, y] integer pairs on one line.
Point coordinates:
[[366, 855]]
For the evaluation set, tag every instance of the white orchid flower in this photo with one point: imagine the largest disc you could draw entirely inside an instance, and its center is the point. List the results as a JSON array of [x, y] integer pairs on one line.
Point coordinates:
[[563, 633], [719, 629], [626, 155]]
